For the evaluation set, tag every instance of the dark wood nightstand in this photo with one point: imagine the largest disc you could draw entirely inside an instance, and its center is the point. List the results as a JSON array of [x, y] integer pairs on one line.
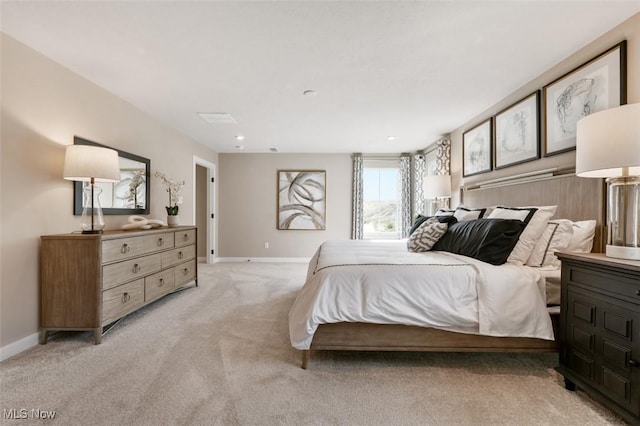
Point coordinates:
[[600, 330]]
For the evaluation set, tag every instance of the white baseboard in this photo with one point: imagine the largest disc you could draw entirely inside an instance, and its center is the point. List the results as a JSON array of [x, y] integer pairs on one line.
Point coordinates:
[[263, 259], [18, 346]]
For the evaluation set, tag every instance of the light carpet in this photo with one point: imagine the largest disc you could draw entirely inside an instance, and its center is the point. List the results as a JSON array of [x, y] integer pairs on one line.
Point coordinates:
[[219, 354]]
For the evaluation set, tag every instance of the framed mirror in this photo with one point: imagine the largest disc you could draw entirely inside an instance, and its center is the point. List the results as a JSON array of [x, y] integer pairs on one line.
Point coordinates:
[[129, 196]]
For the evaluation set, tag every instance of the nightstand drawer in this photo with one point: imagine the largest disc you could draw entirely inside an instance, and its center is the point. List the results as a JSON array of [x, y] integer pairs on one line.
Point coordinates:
[[605, 282], [121, 300]]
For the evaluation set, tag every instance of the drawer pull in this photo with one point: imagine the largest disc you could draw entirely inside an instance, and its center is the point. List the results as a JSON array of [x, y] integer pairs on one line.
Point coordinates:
[[637, 292], [185, 237], [160, 242], [125, 248], [633, 363], [185, 271], [136, 268], [180, 255], [125, 297], [161, 283]]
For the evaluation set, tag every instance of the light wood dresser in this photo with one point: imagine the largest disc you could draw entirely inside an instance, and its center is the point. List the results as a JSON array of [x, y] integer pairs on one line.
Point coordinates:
[[88, 281]]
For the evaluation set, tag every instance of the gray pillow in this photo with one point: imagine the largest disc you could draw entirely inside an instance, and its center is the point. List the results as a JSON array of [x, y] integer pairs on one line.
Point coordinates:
[[427, 234]]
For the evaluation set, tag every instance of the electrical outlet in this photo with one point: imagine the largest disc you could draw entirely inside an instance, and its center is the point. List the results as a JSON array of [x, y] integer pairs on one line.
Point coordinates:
[[266, 245]]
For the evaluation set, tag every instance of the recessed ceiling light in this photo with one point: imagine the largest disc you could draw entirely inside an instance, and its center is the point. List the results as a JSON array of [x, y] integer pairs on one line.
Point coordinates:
[[240, 138], [391, 138], [310, 93], [240, 147]]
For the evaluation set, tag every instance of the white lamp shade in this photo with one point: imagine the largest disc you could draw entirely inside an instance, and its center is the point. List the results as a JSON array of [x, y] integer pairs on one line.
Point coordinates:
[[437, 186], [83, 162], [608, 143]]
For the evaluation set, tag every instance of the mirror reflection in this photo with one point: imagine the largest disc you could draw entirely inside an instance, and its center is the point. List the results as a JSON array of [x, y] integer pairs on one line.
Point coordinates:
[[127, 197]]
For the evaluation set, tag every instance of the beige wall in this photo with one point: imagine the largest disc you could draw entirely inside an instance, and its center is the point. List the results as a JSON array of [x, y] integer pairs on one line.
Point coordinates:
[[43, 106], [629, 30], [247, 204]]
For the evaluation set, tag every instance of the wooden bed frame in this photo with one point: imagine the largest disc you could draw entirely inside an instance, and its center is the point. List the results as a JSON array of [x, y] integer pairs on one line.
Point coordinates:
[[576, 198]]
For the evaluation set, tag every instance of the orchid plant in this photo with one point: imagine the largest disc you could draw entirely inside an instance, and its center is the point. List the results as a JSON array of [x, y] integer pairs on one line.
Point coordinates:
[[174, 187]]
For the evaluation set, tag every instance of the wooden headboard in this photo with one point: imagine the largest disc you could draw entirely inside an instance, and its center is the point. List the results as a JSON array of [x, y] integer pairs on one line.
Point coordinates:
[[576, 198]]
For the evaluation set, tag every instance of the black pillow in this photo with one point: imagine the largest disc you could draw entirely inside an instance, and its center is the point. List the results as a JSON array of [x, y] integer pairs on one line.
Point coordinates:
[[420, 220], [488, 240]]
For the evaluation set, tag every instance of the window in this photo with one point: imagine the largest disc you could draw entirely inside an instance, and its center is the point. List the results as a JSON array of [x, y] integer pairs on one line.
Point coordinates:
[[381, 199]]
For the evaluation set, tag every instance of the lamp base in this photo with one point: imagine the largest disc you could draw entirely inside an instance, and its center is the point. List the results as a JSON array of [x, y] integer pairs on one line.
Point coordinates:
[[92, 231], [621, 252]]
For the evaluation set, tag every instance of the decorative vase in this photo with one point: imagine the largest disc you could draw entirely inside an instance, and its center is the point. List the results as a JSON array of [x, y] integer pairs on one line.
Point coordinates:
[[173, 220]]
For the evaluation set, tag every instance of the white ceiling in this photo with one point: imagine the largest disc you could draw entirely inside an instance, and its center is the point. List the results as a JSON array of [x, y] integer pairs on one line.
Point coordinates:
[[413, 70]]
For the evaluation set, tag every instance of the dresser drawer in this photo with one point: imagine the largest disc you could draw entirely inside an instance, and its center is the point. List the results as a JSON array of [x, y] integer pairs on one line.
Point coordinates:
[[158, 284], [122, 248], [185, 272], [118, 273], [184, 238], [121, 300], [158, 242], [178, 255]]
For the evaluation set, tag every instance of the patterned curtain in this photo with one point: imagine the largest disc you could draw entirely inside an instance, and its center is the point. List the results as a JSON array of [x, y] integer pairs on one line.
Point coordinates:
[[443, 161], [419, 169], [405, 193], [443, 154], [357, 204]]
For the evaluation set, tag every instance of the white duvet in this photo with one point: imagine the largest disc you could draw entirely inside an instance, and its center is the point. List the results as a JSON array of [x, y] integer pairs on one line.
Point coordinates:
[[381, 282]]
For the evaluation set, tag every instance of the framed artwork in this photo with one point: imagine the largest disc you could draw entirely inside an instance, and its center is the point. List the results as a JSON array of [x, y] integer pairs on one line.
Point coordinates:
[[301, 199], [594, 86], [517, 133], [476, 149]]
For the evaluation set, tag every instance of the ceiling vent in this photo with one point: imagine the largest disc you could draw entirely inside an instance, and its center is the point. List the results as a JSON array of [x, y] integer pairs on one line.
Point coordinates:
[[273, 149], [217, 117]]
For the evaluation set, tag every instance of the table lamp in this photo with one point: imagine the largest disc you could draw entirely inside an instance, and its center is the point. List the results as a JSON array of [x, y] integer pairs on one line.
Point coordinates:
[[438, 188], [608, 146], [91, 164]]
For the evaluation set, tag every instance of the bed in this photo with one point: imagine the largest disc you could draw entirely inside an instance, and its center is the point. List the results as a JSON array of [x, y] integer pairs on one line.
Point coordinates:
[[454, 330]]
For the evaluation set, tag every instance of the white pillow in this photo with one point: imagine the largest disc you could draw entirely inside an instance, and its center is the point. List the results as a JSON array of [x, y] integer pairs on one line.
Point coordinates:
[[555, 237], [582, 239], [529, 237], [463, 214], [509, 213], [445, 212]]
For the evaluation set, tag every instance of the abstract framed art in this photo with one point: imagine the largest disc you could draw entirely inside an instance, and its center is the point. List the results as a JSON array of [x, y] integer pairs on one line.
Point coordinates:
[[302, 199], [476, 149], [517, 132], [594, 86]]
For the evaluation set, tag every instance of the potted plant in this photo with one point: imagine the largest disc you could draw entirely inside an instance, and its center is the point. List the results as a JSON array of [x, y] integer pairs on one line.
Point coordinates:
[[174, 187]]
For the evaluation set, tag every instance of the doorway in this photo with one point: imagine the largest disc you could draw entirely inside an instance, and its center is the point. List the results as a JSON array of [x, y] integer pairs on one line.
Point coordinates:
[[204, 212]]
